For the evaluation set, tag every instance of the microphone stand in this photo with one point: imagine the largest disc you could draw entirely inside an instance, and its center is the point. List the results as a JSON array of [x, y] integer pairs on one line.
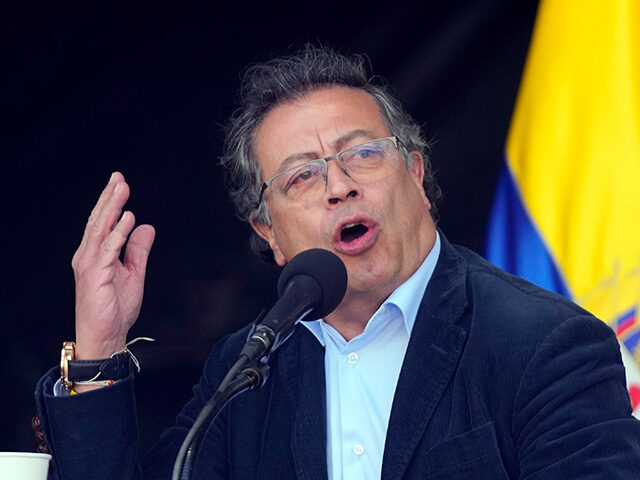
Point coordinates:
[[242, 376]]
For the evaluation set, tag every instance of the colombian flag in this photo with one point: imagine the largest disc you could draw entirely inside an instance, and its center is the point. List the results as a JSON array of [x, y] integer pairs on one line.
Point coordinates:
[[567, 208]]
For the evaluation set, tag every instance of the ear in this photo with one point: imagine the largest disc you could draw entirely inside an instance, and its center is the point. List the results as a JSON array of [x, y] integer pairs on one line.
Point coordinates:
[[266, 232], [417, 174]]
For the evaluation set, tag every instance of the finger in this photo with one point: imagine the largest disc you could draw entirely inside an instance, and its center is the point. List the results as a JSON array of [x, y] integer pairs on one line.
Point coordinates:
[[106, 193], [115, 178], [138, 248], [112, 245], [105, 220]]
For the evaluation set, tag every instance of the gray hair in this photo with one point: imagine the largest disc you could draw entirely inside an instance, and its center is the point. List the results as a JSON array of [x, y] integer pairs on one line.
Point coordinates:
[[267, 85]]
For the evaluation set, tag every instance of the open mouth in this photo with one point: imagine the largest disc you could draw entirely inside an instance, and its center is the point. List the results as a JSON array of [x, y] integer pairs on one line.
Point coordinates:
[[352, 231], [356, 237]]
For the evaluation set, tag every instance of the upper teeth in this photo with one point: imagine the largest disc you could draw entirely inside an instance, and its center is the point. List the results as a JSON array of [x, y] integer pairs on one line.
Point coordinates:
[[349, 225]]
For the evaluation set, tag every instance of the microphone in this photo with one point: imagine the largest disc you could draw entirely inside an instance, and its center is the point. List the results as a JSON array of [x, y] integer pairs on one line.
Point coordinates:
[[312, 284]]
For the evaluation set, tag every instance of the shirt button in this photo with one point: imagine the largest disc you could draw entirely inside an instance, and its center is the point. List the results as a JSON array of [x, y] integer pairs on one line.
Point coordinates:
[[353, 358], [358, 449]]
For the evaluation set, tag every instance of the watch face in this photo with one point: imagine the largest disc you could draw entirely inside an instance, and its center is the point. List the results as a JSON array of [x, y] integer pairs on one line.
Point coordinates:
[[68, 354]]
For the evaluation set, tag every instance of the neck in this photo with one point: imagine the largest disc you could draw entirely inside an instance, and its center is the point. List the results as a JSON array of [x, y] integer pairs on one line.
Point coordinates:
[[353, 314]]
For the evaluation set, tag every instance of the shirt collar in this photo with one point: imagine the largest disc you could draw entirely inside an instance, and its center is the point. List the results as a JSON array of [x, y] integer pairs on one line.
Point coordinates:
[[406, 297]]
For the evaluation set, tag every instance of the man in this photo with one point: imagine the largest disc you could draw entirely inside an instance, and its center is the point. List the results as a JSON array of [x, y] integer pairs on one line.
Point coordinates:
[[435, 365]]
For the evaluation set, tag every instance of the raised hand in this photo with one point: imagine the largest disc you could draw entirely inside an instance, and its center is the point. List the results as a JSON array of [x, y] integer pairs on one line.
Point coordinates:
[[109, 291]]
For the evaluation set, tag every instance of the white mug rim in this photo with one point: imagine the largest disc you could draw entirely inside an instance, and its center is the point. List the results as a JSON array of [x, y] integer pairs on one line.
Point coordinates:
[[26, 454]]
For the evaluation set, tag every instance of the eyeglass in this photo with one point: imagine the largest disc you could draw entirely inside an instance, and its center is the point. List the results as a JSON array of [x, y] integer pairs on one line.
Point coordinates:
[[364, 163]]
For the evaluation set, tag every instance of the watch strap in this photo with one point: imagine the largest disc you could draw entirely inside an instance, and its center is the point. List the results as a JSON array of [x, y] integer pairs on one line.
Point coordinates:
[[116, 367]]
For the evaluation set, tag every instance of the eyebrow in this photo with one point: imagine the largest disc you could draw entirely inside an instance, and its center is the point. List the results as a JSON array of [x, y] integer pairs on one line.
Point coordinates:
[[341, 142], [338, 145]]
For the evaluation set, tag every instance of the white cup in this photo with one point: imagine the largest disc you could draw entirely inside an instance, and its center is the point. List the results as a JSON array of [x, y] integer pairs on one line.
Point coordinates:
[[24, 465]]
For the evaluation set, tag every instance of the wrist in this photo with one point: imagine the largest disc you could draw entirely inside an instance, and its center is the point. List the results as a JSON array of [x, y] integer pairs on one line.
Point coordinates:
[[93, 350]]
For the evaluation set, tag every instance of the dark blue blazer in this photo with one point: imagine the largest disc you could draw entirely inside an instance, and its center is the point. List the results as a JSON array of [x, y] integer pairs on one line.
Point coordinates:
[[501, 380]]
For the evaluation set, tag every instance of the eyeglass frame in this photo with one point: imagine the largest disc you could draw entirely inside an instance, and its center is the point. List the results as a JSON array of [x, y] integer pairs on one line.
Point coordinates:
[[336, 156]]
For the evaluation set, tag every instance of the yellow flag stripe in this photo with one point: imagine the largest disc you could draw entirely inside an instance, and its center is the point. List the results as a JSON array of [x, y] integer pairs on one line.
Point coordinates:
[[574, 146]]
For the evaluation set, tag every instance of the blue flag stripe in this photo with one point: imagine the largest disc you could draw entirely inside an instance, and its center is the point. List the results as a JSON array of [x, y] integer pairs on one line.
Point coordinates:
[[513, 243]]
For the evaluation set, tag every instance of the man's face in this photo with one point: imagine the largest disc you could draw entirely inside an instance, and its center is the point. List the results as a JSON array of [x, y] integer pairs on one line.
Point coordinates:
[[396, 230]]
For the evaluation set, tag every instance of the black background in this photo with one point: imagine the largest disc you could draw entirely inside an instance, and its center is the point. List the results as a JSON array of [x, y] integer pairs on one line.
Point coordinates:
[[89, 88]]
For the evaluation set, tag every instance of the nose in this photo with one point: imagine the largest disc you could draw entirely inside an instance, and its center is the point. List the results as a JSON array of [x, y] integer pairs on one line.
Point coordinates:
[[340, 185]]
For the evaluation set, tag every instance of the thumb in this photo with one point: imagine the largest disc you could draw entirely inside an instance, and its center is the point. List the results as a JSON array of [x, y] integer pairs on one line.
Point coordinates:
[[138, 248]]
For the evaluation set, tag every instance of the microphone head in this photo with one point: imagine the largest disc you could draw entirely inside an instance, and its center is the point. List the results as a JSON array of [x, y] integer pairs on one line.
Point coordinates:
[[324, 267]]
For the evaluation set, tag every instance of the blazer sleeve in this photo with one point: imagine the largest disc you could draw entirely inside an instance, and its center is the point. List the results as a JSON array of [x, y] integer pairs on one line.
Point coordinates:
[[95, 434], [92, 435], [573, 415]]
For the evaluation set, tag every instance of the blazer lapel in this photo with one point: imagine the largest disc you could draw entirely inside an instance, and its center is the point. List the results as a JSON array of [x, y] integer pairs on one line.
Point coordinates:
[[301, 367], [433, 352]]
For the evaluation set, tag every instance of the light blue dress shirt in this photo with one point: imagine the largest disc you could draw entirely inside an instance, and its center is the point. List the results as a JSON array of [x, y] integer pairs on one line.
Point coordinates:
[[361, 377]]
